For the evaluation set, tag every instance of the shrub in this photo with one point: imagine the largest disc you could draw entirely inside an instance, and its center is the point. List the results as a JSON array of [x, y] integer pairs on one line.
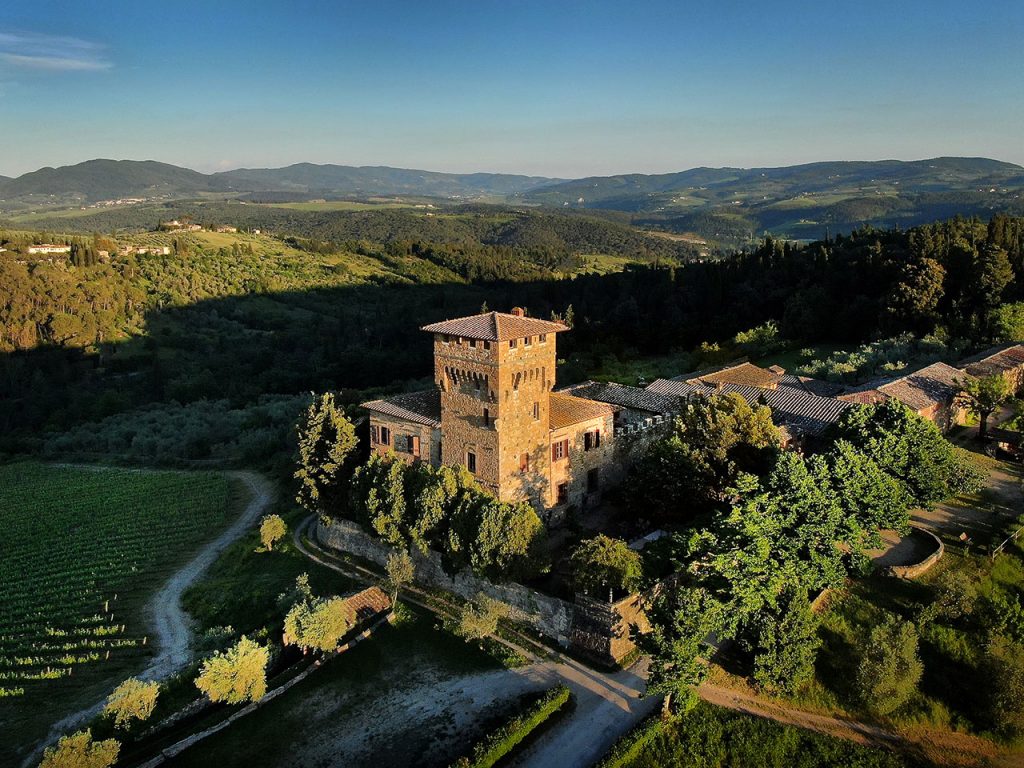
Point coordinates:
[[890, 668]]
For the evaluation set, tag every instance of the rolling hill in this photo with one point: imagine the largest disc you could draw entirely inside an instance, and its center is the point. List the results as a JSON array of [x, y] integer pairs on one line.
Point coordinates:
[[729, 206], [381, 180]]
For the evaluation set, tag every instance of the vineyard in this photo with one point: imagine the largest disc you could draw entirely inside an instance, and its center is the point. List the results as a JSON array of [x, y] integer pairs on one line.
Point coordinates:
[[82, 550]]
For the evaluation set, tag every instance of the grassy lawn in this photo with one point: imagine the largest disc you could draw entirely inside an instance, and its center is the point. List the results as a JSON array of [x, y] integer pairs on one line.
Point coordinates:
[[711, 737], [375, 705], [84, 551]]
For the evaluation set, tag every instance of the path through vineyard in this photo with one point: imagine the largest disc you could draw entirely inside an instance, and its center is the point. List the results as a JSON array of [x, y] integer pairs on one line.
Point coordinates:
[[170, 623]]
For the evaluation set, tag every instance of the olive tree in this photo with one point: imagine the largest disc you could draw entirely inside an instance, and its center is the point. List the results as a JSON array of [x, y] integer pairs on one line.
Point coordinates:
[[479, 619], [982, 396], [400, 571], [318, 624], [80, 751], [239, 674], [272, 530], [133, 699]]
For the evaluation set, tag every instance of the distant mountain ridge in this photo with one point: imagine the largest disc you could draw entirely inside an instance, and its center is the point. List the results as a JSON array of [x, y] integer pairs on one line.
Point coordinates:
[[630, 191], [97, 180]]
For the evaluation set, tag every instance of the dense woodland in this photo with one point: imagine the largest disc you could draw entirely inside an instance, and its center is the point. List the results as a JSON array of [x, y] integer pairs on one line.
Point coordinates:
[[233, 325]]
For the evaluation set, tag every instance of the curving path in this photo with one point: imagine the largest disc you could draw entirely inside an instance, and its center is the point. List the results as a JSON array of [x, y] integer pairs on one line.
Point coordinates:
[[170, 624]]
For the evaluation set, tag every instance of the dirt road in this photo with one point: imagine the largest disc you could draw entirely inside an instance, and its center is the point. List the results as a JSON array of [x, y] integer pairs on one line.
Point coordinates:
[[169, 622]]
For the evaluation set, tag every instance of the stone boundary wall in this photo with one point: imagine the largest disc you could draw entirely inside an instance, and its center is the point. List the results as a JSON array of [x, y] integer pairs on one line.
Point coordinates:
[[916, 569], [548, 615]]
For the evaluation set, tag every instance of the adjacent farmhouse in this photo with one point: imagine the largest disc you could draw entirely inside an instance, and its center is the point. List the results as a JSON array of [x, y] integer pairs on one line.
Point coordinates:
[[1006, 361]]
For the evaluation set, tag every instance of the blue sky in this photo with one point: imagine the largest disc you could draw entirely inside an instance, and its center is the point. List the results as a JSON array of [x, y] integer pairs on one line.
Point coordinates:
[[556, 88]]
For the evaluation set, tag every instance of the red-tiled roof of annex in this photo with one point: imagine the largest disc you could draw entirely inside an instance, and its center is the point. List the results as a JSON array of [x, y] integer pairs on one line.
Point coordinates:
[[369, 603], [495, 326], [996, 360], [418, 407], [566, 410]]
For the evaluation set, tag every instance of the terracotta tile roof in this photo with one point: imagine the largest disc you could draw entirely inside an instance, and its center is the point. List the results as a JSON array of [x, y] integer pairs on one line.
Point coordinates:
[[932, 385], [635, 398], [419, 407], [566, 410], [743, 374], [369, 603], [495, 326], [799, 412], [995, 360]]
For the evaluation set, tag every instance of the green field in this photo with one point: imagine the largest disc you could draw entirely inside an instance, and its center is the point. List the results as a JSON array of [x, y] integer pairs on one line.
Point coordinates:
[[84, 549]]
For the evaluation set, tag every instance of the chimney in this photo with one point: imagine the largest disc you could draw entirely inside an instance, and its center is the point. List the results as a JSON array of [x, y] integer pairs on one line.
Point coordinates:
[[518, 311]]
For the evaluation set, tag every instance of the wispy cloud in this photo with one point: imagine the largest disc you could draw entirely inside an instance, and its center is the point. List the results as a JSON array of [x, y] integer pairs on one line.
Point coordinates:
[[52, 53]]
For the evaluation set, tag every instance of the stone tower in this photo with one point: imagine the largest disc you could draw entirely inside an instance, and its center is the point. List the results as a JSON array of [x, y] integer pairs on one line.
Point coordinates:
[[495, 373]]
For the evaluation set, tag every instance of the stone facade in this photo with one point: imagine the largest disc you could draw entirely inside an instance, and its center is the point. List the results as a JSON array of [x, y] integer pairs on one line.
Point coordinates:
[[494, 412]]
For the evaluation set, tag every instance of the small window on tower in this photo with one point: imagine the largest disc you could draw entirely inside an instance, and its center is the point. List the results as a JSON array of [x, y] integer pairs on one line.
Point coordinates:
[[487, 417], [536, 411], [528, 341], [487, 345], [542, 339], [512, 343], [524, 462], [471, 461], [472, 342], [385, 436]]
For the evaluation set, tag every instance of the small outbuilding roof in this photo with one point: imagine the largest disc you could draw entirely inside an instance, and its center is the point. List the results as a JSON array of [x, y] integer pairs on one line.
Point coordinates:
[[744, 374], [418, 407], [495, 326], [369, 603]]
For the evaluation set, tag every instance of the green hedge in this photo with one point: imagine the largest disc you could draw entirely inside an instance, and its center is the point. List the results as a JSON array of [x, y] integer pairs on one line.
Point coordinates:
[[504, 740], [632, 744]]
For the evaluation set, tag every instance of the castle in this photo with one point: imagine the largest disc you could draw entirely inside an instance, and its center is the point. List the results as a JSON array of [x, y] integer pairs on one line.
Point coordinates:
[[493, 410]]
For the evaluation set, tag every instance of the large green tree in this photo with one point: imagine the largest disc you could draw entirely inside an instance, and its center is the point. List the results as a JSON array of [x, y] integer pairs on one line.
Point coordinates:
[[318, 624], [604, 565], [377, 498], [982, 396], [910, 449], [712, 440], [327, 444]]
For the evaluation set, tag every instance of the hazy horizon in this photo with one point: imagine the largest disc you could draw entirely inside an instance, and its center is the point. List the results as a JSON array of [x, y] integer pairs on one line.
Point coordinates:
[[569, 90], [513, 172]]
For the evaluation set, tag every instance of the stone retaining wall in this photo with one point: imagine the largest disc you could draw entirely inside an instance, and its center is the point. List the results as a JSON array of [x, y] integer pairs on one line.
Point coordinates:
[[548, 615], [916, 569]]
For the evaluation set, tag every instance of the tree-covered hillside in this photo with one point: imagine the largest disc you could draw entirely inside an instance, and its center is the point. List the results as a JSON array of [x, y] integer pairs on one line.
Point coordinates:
[[264, 316]]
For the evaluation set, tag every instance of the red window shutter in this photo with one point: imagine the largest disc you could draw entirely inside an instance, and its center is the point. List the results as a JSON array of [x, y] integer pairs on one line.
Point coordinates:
[[414, 445]]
